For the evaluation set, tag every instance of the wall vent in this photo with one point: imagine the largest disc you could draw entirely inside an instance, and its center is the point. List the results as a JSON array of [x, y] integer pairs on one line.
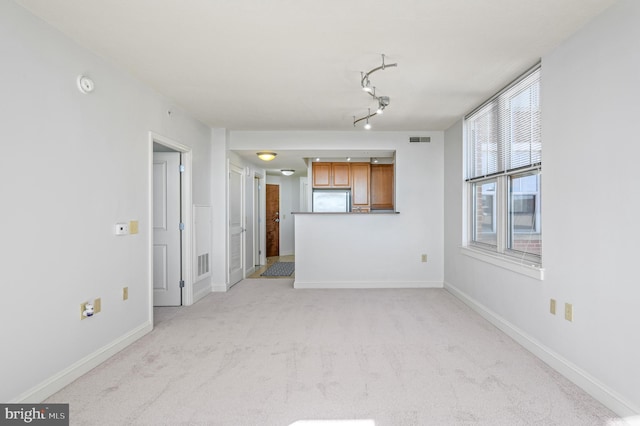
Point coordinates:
[[203, 264], [414, 139]]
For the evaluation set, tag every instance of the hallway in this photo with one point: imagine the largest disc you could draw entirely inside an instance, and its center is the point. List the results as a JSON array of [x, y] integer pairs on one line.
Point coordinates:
[[271, 261]]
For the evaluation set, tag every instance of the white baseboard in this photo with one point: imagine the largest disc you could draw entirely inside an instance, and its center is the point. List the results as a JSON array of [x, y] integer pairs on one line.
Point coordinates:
[[366, 284], [61, 379], [584, 380], [201, 293], [220, 287]]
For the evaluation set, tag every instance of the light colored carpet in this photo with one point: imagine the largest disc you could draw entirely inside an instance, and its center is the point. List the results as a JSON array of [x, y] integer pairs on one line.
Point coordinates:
[[266, 354]]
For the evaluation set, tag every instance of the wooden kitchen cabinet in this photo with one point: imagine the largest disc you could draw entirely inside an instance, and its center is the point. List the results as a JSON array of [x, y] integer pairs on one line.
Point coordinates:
[[331, 175], [360, 188], [382, 187], [341, 175], [321, 175]]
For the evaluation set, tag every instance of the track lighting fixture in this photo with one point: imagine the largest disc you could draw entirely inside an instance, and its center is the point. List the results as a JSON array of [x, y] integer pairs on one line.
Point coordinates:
[[383, 101]]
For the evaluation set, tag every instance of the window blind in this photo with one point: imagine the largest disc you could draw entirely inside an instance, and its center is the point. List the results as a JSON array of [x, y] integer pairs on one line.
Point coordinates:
[[504, 133]]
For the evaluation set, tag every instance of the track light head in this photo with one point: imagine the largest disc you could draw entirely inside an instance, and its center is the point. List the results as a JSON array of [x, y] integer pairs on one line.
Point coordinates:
[[383, 101]]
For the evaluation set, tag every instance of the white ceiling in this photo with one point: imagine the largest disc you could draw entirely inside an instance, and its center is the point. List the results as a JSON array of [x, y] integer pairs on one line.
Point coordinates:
[[295, 64]]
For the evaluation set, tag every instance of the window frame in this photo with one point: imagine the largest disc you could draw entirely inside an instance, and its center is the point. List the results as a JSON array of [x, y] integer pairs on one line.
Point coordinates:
[[502, 253]]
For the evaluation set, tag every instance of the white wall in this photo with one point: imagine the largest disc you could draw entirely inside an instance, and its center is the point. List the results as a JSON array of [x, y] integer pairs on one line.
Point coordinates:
[[73, 165], [419, 197], [219, 181], [590, 90]]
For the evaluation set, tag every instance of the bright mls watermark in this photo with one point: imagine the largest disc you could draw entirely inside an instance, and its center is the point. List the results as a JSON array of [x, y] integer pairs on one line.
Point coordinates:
[[34, 414]]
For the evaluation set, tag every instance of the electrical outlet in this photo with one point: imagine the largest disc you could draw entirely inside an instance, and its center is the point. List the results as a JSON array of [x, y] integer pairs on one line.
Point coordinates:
[[97, 305], [552, 306], [424, 257], [568, 311], [125, 293], [83, 307]]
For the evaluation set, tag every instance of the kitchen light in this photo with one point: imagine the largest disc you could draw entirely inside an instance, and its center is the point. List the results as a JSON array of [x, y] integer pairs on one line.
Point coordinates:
[[287, 172], [266, 155]]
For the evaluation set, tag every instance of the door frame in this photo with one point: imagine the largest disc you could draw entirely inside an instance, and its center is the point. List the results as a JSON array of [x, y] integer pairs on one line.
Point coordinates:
[[259, 209], [187, 214]]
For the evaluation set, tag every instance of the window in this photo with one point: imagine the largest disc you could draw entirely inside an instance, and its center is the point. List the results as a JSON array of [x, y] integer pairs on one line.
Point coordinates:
[[504, 163]]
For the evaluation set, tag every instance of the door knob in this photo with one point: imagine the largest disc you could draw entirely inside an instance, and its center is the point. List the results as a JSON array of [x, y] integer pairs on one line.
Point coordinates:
[[276, 220]]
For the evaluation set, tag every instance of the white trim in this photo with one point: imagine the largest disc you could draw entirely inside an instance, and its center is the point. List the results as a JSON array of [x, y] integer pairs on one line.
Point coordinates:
[[63, 378], [366, 284], [201, 293], [581, 378], [531, 271], [219, 287]]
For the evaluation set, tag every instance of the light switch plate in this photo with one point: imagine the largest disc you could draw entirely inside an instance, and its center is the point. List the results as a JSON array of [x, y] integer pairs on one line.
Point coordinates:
[[552, 306], [125, 293], [133, 227]]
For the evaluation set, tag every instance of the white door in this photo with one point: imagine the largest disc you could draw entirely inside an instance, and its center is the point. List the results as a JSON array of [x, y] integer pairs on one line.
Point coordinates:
[[236, 224], [166, 229]]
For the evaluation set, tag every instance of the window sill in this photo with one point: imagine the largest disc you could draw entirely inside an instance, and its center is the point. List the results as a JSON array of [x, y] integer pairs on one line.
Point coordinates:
[[532, 271]]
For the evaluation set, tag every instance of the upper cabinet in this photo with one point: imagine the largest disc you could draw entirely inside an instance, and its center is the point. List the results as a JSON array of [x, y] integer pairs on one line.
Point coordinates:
[[382, 187], [372, 185], [331, 175], [360, 187]]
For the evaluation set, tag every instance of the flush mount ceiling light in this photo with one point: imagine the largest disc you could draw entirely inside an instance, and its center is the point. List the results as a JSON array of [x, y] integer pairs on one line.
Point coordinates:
[[383, 101], [266, 155], [287, 172]]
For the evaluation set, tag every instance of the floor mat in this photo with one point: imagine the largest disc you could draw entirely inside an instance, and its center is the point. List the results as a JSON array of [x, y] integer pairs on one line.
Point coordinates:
[[280, 269]]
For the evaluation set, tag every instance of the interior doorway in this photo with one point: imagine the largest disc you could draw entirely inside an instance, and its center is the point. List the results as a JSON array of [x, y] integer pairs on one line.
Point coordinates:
[[236, 213], [258, 235], [170, 210], [273, 220], [167, 217]]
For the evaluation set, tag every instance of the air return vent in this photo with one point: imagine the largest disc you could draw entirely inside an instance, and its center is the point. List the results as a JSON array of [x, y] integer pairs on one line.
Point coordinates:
[[415, 139], [203, 264]]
